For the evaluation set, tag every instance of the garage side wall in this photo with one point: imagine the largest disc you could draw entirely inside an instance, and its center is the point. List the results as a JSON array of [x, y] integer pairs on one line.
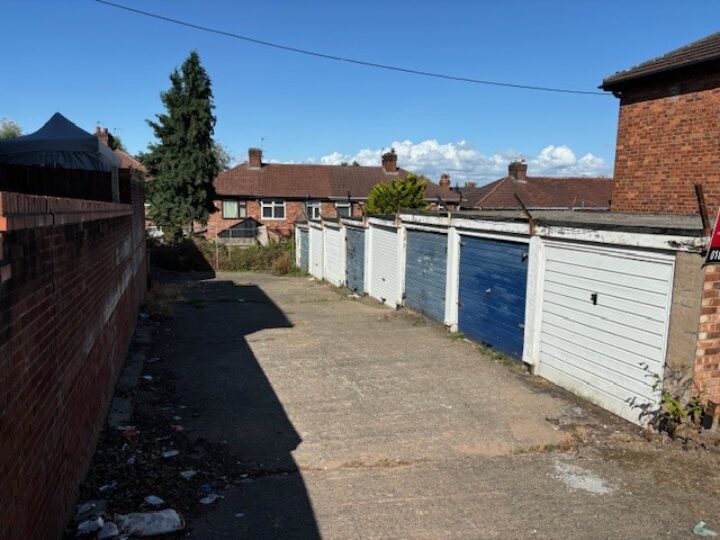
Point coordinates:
[[684, 319]]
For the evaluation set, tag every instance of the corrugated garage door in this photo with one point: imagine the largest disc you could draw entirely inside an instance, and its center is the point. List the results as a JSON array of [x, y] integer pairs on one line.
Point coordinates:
[[356, 259], [304, 249], [384, 265], [604, 318], [425, 271], [316, 252], [493, 280], [334, 270]]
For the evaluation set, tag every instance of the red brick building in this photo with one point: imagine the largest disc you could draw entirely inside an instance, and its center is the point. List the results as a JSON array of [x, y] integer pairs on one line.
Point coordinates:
[[669, 141], [278, 195], [536, 192], [669, 131]]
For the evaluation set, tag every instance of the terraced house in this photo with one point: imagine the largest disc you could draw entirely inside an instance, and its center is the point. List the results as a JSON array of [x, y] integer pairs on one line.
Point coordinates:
[[278, 195]]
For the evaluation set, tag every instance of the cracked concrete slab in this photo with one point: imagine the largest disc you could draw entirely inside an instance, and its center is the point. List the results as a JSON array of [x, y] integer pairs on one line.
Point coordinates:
[[374, 424]]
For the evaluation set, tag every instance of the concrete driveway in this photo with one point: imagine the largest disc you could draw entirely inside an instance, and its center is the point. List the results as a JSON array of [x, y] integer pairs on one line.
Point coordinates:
[[360, 422]]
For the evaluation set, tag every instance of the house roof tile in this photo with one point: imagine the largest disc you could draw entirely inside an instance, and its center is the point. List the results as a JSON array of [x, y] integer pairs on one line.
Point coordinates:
[[311, 181], [542, 192], [129, 162], [703, 50]]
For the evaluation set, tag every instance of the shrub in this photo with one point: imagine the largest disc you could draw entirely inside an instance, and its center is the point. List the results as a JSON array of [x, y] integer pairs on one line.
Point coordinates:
[[200, 254]]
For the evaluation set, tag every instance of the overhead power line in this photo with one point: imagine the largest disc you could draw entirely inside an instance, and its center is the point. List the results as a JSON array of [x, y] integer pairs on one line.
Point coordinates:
[[349, 60]]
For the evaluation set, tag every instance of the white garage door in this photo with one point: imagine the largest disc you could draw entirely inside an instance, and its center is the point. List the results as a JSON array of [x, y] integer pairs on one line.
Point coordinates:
[[334, 264], [604, 323], [316, 252], [384, 265]]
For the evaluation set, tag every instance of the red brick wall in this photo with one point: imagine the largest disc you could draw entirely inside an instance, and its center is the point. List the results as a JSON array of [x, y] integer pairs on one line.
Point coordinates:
[[707, 360], [668, 141], [294, 212], [74, 276]]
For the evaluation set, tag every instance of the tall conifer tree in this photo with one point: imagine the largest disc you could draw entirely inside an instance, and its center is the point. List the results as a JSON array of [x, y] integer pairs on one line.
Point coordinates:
[[183, 161]]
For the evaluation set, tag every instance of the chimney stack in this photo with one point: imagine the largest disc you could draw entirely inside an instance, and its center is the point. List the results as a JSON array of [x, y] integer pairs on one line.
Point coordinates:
[[104, 136], [254, 158], [389, 161], [469, 184], [444, 180], [517, 170]]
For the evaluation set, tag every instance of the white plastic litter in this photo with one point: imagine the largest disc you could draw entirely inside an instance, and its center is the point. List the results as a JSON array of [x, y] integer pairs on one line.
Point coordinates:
[[90, 526], [108, 487], [170, 453], [147, 377], [154, 500], [209, 499], [187, 475], [150, 523], [109, 530]]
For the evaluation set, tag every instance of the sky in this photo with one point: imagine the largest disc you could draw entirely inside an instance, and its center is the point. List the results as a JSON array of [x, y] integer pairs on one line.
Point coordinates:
[[98, 65]]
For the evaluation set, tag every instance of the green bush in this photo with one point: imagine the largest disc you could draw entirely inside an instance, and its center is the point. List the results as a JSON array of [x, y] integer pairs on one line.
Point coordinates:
[[200, 254]]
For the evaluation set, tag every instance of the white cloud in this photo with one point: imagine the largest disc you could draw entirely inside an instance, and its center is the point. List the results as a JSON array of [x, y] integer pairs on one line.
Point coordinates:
[[463, 162]]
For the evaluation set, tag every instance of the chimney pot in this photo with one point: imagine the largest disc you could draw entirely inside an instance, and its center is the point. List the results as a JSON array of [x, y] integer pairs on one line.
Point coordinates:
[[389, 161], [444, 180], [517, 170], [254, 158], [469, 184]]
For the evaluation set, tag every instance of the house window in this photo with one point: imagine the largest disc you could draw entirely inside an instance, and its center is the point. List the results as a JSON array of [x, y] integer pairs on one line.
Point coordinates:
[[313, 210], [233, 209], [273, 209], [343, 209]]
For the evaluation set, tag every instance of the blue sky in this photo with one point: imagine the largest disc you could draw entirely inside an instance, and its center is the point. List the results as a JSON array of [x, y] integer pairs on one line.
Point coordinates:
[[96, 64]]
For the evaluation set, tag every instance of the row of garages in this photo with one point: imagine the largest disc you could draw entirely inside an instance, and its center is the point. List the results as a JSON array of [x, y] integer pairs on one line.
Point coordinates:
[[587, 303]]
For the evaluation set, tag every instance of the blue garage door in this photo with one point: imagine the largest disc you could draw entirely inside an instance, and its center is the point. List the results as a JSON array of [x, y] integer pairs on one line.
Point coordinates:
[[304, 249], [425, 271], [493, 279], [355, 246]]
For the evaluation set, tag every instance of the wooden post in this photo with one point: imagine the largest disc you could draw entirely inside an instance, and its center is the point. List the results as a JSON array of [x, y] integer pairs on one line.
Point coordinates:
[[703, 209]]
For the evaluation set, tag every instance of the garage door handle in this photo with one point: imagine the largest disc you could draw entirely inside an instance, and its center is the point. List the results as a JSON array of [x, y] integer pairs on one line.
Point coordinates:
[[488, 291], [521, 326]]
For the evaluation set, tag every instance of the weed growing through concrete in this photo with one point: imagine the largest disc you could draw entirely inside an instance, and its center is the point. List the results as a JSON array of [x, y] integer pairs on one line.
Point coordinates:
[[160, 300]]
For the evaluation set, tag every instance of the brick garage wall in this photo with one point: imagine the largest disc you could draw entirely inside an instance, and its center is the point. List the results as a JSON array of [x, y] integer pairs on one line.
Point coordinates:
[[73, 277]]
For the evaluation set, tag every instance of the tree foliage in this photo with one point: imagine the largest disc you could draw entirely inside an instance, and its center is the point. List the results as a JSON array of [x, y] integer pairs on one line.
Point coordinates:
[[401, 193], [183, 162], [9, 129], [224, 158], [115, 143]]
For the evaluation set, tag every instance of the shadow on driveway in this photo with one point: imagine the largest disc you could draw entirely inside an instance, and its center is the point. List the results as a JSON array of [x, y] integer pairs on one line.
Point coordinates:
[[218, 377]]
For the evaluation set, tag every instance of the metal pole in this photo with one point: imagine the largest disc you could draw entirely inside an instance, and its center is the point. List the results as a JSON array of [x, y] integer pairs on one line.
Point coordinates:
[[217, 256]]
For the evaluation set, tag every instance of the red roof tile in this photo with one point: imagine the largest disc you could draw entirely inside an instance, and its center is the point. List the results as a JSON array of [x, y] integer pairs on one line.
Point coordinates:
[[129, 162], [542, 192], [311, 181], [703, 50]]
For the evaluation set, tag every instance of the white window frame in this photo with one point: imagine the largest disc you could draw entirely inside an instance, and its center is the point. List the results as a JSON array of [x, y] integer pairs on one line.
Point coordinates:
[[347, 205], [241, 207], [273, 204], [313, 209]]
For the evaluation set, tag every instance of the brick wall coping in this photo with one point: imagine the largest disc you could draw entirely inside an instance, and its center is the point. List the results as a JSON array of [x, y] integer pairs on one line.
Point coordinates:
[[22, 211]]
